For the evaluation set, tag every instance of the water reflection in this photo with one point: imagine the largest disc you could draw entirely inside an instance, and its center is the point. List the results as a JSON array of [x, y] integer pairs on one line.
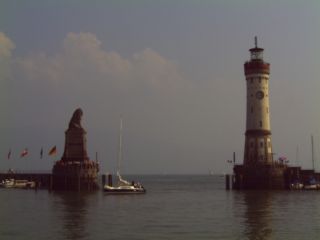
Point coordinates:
[[73, 213], [258, 215]]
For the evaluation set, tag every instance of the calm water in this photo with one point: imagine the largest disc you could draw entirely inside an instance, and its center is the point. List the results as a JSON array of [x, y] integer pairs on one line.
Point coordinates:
[[175, 207]]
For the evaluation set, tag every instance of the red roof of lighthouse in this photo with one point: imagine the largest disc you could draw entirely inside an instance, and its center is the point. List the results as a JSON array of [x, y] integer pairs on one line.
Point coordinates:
[[253, 67]]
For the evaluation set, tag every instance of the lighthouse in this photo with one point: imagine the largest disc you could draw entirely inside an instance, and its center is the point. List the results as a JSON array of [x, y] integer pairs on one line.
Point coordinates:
[[259, 170], [258, 147]]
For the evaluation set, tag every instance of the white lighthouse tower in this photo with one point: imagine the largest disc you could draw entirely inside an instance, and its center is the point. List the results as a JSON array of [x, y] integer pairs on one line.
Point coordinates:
[[258, 148], [258, 171]]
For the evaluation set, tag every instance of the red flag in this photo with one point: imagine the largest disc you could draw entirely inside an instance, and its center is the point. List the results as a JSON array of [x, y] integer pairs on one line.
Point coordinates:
[[9, 154], [53, 151], [24, 152]]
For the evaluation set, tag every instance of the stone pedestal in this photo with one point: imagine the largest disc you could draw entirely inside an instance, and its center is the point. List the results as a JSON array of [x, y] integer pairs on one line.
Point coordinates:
[[75, 171], [75, 176], [260, 176], [75, 146]]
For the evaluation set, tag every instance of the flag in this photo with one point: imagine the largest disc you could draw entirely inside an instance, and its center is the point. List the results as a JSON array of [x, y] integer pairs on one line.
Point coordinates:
[[53, 151], [24, 152], [41, 153], [9, 154]]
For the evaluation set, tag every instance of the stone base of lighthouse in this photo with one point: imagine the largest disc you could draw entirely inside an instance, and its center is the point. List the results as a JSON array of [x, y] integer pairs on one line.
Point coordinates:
[[260, 176]]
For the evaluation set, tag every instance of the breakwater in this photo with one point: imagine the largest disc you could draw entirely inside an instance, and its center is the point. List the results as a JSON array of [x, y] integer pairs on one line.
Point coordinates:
[[42, 180]]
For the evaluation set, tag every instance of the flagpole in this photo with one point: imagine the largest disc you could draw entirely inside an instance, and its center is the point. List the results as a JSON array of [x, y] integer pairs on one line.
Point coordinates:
[[41, 153], [312, 152], [297, 155], [25, 164]]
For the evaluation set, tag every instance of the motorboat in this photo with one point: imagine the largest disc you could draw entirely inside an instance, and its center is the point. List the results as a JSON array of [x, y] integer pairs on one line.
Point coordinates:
[[296, 185], [310, 187], [7, 183], [24, 184], [15, 183], [312, 184]]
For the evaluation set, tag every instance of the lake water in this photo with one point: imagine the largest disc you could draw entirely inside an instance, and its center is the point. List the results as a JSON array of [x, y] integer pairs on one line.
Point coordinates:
[[175, 207]]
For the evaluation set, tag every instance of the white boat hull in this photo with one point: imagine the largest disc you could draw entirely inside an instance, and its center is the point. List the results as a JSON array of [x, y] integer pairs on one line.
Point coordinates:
[[124, 190], [12, 183], [311, 187]]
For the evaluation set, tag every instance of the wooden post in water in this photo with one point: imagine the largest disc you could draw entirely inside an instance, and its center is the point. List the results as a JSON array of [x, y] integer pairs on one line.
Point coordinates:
[[78, 182], [227, 182], [232, 181], [110, 180], [103, 180], [232, 175], [50, 182], [65, 183]]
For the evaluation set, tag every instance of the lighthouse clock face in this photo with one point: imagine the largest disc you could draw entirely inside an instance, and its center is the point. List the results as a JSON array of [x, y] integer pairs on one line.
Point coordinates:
[[259, 95]]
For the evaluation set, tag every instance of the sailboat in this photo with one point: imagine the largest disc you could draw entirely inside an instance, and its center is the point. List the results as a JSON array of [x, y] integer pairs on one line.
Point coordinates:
[[123, 186], [312, 183], [296, 184]]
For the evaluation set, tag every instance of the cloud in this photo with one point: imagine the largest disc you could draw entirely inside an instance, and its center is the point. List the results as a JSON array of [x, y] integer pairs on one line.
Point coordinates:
[[6, 48], [82, 60], [82, 73]]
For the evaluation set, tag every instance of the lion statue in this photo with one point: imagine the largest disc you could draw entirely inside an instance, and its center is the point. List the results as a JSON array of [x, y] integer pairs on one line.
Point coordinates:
[[75, 121]]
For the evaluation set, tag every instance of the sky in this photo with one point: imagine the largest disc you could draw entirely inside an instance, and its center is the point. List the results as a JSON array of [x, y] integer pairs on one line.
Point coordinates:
[[172, 69]]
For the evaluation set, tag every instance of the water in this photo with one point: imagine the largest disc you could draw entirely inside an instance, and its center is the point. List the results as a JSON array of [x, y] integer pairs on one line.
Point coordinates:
[[175, 207]]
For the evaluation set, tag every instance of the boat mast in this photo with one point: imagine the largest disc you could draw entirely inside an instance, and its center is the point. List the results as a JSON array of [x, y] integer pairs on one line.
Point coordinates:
[[120, 146], [234, 158], [297, 155], [312, 152]]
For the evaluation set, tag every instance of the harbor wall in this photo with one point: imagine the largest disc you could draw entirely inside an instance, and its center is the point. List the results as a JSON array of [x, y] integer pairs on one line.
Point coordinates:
[[46, 180], [277, 176]]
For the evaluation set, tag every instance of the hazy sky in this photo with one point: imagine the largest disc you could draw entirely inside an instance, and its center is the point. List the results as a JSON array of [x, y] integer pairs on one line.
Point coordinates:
[[172, 68]]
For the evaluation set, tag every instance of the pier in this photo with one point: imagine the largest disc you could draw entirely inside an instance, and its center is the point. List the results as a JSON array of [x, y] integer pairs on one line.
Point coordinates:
[[274, 177], [45, 180]]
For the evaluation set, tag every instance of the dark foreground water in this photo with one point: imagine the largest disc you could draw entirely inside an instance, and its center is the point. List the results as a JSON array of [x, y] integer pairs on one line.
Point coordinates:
[[175, 207]]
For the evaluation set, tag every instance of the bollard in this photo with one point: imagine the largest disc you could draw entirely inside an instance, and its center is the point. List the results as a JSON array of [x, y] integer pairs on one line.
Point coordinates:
[[103, 179], [241, 182], [50, 182], [227, 181], [78, 182], [110, 180], [233, 180]]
